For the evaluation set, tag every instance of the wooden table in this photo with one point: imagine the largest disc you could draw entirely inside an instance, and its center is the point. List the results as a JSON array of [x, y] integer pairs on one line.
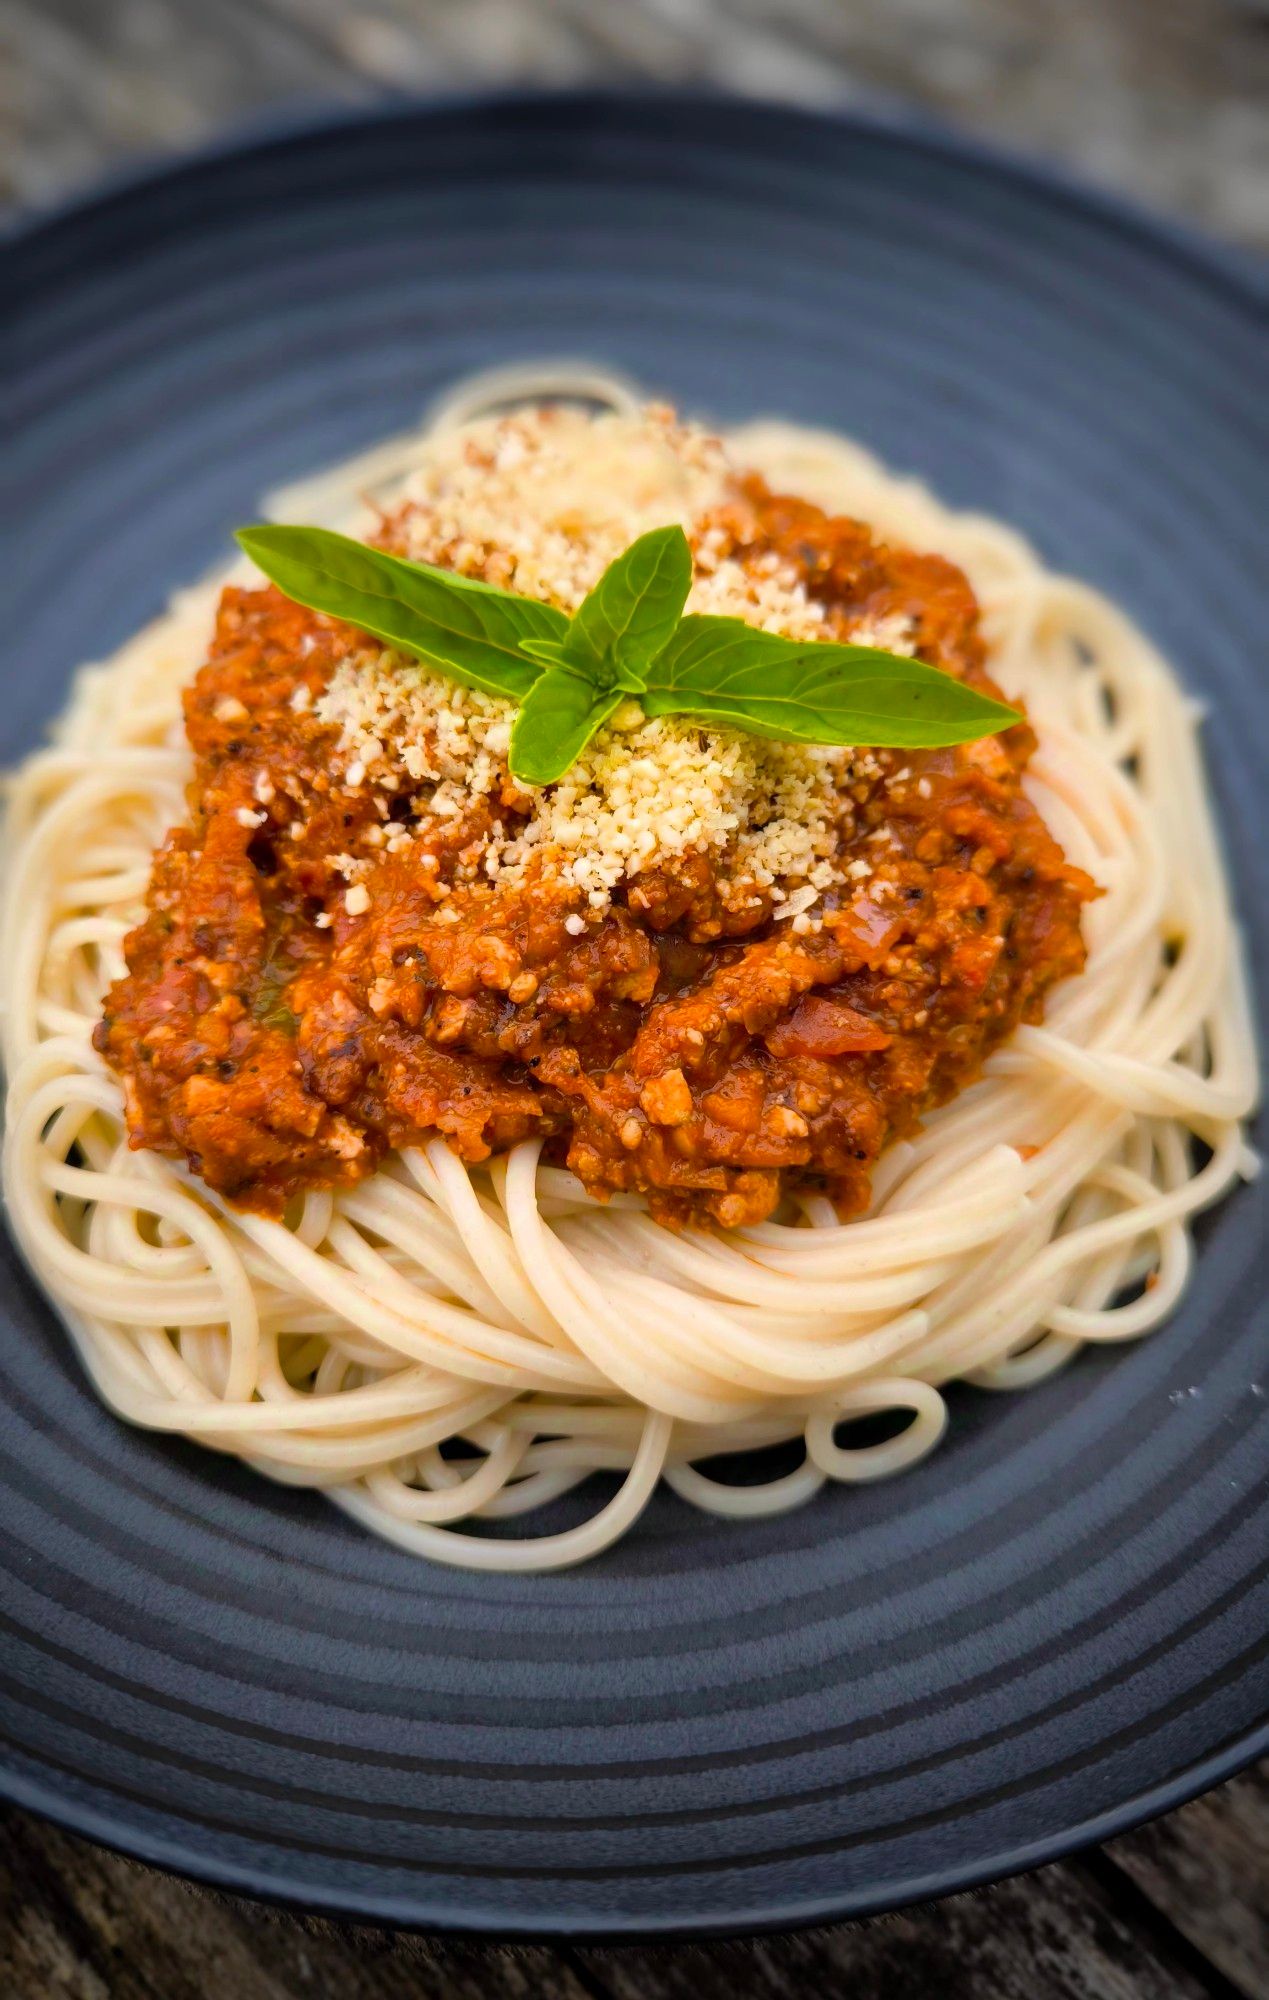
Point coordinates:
[[1166, 99]]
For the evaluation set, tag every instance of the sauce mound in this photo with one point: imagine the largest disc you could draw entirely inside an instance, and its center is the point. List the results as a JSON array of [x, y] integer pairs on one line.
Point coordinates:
[[705, 969]]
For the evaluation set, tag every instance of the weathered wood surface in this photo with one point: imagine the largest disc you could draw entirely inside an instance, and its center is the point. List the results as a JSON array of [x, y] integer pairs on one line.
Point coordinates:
[[1167, 100], [80, 1924]]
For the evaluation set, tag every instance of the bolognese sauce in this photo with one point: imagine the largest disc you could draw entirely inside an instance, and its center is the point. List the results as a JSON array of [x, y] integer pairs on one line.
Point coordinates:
[[331, 966]]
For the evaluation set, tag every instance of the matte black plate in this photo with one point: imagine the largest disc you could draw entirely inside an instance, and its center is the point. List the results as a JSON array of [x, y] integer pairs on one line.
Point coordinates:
[[1054, 1627]]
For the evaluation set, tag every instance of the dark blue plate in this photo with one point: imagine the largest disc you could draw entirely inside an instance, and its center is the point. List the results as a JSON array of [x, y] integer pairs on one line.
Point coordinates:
[[1054, 1627]]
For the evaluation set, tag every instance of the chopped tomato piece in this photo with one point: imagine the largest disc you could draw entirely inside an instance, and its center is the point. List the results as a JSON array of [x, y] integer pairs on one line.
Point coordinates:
[[824, 1027]]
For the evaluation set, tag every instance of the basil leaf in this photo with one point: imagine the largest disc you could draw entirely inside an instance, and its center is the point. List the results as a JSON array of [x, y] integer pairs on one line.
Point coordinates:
[[632, 611], [814, 692], [559, 716], [467, 630]]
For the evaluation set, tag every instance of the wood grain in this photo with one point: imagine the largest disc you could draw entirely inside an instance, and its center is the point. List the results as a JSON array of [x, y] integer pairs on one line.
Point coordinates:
[[1208, 1867], [1164, 99], [78, 1923]]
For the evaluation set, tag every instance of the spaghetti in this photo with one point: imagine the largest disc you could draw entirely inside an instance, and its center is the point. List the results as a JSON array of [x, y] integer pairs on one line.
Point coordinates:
[[499, 1307]]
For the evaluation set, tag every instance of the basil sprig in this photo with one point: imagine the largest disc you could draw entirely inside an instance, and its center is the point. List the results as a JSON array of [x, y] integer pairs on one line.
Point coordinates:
[[629, 637], [613, 642]]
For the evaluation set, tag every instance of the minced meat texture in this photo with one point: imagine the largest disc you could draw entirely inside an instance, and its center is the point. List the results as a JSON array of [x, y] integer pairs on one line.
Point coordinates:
[[281, 1033]]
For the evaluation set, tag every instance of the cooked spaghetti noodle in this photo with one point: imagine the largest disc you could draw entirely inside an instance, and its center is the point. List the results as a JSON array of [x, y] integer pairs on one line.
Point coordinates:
[[500, 1305]]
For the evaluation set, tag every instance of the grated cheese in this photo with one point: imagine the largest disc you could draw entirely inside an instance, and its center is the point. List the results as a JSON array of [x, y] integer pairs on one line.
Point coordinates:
[[541, 502]]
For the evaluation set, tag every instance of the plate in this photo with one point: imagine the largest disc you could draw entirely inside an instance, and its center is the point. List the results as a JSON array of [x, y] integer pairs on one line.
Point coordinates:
[[1054, 1627]]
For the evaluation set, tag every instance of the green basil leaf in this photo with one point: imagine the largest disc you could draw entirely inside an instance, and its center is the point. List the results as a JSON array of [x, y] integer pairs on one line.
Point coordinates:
[[559, 716], [814, 692], [467, 630], [632, 611]]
